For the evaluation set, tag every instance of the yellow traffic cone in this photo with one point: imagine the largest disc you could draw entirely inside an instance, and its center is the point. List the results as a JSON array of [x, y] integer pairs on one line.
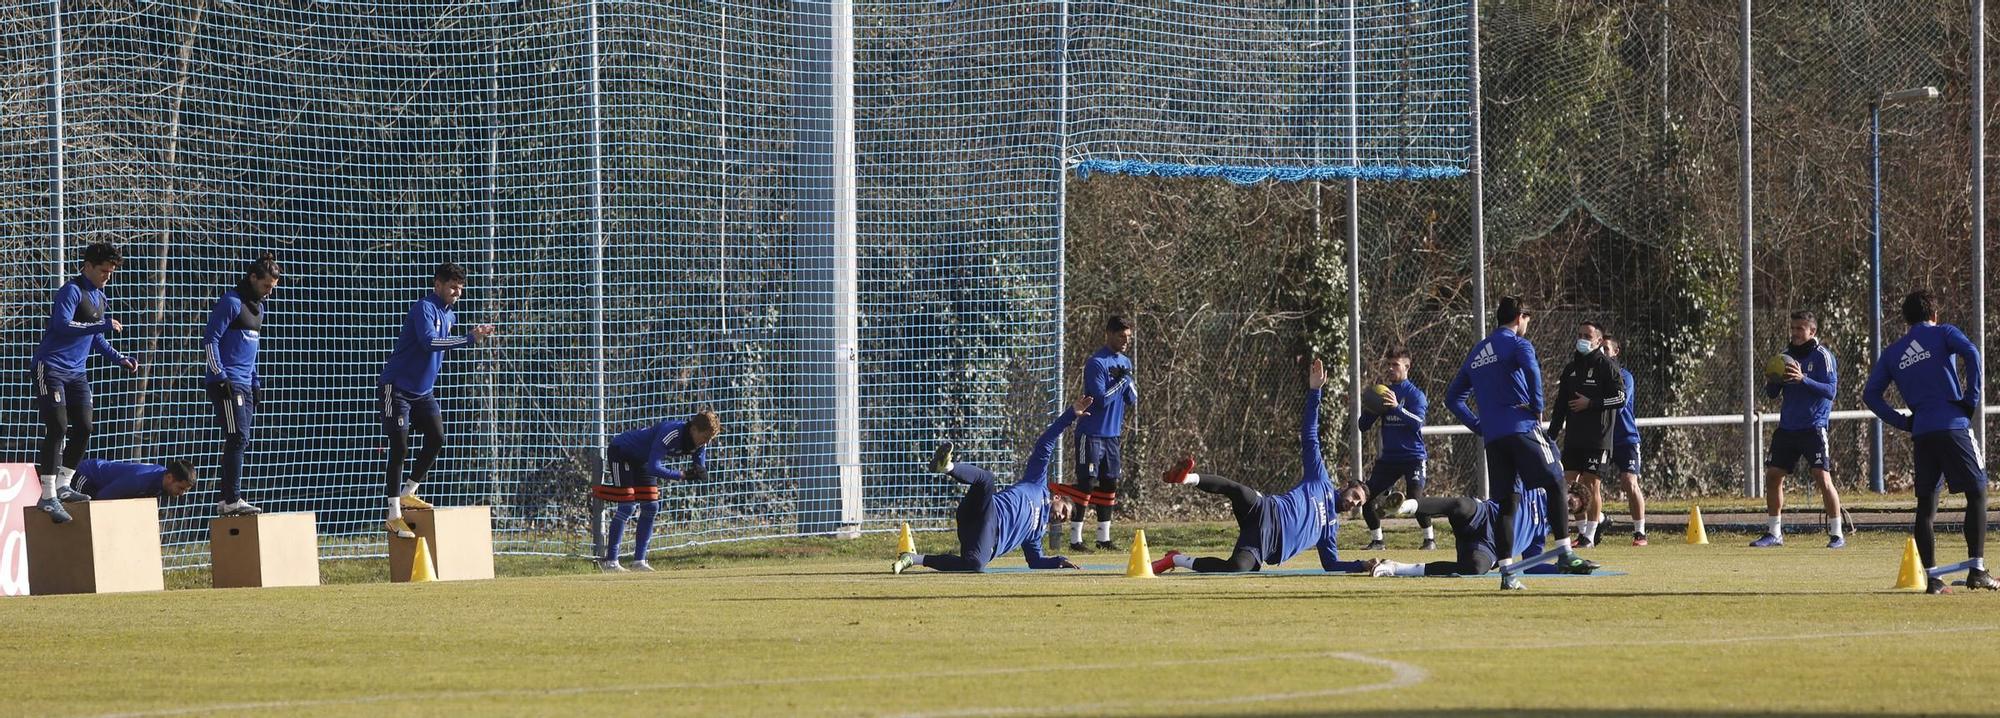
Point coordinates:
[[906, 543], [1911, 574], [1697, 534], [420, 564], [1141, 563]]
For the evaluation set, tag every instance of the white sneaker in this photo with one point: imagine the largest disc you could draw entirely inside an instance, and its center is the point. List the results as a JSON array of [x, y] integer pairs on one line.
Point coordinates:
[[237, 508], [642, 566], [610, 567]]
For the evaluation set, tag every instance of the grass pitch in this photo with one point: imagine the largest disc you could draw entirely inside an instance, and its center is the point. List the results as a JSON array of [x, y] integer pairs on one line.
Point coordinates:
[[826, 630]]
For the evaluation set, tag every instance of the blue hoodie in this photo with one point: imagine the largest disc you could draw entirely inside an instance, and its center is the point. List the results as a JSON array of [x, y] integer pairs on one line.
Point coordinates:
[[1503, 373], [76, 325], [1808, 402], [1920, 366], [419, 355]]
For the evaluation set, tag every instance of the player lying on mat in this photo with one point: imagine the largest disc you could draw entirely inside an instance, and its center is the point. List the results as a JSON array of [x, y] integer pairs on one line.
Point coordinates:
[[1472, 523], [992, 522], [1273, 529], [109, 480]]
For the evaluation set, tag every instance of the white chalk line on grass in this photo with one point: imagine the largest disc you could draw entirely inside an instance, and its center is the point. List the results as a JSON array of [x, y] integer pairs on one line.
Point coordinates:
[[1403, 675]]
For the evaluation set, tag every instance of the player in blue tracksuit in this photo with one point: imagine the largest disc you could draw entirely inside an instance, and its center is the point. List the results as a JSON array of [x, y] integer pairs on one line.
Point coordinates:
[[1108, 380], [110, 480], [993, 521], [1939, 424], [1808, 385], [1625, 447], [1273, 529], [235, 390], [404, 388], [636, 463], [1472, 521], [77, 323], [1403, 454], [1503, 374]]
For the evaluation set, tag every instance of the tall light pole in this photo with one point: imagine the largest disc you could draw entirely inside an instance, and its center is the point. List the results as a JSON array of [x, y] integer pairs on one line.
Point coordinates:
[[1889, 99]]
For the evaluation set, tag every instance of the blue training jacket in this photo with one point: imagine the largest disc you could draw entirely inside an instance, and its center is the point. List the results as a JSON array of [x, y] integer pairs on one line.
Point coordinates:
[[1807, 403], [1920, 366], [1503, 373], [76, 325], [1626, 431], [653, 445], [1018, 512], [413, 367], [1305, 515], [1403, 426], [108, 480], [229, 342], [1107, 378]]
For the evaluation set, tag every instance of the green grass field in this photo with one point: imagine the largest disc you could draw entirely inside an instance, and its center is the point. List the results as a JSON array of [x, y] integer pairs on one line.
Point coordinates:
[[821, 628]]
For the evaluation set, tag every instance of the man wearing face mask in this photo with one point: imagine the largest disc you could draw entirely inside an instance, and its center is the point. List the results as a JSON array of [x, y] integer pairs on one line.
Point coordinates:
[[1588, 397]]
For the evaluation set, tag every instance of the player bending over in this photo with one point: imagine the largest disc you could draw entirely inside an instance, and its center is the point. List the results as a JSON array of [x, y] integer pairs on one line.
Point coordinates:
[[1472, 528], [636, 462], [992, 522], [110, 480], [1273, 529]]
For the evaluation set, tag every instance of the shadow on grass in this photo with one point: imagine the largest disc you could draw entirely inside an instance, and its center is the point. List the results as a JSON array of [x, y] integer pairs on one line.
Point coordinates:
[[1593, 713]]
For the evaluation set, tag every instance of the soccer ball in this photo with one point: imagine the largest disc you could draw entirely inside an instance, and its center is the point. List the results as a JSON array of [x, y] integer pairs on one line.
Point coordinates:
[[1774, 369], [1376, 400]]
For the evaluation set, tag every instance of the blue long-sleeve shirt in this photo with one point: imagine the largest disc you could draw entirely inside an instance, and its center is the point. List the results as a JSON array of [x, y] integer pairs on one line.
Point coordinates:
[[1107, 378], [229, 342], [419, 355], [1625, 432], [1504, 374], [1018, 511], [76, 326], [108, 480], [1807, 403], [1920, 365], [653, 445], [1403, 426], [1304, 516]]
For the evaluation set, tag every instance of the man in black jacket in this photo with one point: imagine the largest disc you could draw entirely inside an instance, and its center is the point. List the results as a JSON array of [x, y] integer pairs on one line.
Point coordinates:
[[1588, 398]]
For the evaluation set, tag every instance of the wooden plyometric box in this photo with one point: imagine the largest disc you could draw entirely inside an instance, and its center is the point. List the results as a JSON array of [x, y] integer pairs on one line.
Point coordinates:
[[264, 550], [460, 541], [107, 547]]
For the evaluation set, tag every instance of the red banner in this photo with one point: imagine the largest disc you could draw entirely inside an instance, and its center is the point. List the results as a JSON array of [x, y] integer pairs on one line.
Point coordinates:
[[19, 489]]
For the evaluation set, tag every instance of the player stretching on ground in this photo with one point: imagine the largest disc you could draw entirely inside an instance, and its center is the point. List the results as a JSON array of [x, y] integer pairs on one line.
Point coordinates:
[[635, 464], [1625, 451], [1403, 454], [235, 390], [1808, 385], [1273, 529], [1472, 530], [1108, 380], [1588, 398], [405, 389], [1939, 423], [109, 480], [76, 326], [1502, 372], [992, 522]]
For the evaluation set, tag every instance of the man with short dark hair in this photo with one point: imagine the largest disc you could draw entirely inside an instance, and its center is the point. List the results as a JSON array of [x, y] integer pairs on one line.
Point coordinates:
[[1403, 454], [1940, 427], [1625, 450], [111, 480], [1108, 381], [993, 521], [77, 322], [235, 390], [1808, 384], [1588, 398], [405, 388]]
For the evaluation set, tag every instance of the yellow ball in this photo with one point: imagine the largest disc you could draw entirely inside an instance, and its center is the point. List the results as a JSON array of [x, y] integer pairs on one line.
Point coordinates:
[[1775, 367], [1376, 399]]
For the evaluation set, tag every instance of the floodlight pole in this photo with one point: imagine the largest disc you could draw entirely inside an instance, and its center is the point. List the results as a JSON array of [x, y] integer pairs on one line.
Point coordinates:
[[1876, 480]]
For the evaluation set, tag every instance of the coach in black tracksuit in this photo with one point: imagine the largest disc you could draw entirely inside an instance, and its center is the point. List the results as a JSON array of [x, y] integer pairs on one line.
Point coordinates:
[[1588, 398]]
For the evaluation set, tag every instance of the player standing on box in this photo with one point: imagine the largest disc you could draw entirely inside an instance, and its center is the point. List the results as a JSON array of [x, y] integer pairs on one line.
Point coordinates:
[[1401, 411], [1808, 380], [1939, 423], [1625, 449], [1108, 381], [1588, 398], [1504, 374], [635, 463], [993, 521], [404, 390], [76, 327], [235, 390]]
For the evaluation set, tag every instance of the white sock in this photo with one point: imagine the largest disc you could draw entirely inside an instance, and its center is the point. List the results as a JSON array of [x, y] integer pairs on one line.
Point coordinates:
[[1561, 543], [48, 486], [63, 476], [1192, 479], [1638, 526], [1586, 529], [395, 508], [1182, 560], [1076, 532], [1833, 526], [916, 559], [1598, 520], [1375, 534], [409, 488], [1979, 564], [1104, 531], [1409, 569], [1777, 527], [1430, 534]]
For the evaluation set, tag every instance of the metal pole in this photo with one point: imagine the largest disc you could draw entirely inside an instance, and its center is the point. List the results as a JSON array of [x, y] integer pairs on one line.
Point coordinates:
[[1748, 252], [846, 286], [1477, 160], [58, 219], [1979, 213], [597, 233], [1875, 480], [1354, 243], [1062, 211], [492, 239]]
